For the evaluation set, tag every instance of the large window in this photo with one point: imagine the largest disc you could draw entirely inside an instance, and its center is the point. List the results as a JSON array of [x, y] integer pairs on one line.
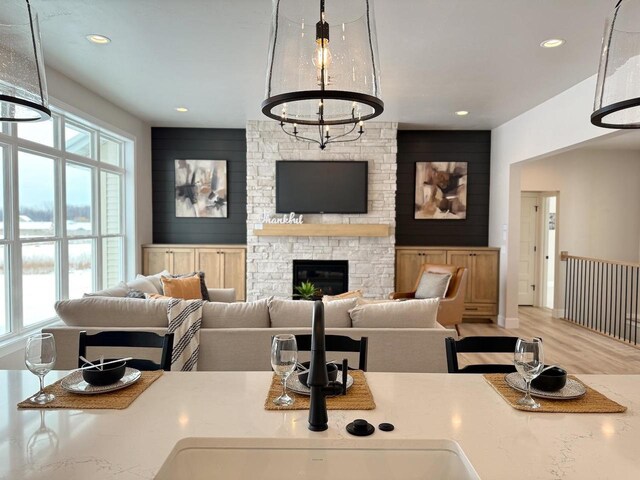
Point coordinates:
[[61, 216]]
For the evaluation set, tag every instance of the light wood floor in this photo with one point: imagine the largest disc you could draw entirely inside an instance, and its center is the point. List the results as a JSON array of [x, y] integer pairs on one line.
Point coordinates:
[[575, 348]]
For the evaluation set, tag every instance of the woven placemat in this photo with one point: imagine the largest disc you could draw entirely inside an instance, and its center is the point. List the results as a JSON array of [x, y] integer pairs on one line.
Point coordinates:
[[591, 402], [358, 397], [116, 400]]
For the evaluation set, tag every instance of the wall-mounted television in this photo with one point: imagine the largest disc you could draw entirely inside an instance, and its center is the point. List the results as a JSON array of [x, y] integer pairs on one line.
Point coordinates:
[[321, 187]]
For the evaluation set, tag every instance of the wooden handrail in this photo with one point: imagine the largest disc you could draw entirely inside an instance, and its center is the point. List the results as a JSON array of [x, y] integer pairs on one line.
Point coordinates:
[[564, 256]]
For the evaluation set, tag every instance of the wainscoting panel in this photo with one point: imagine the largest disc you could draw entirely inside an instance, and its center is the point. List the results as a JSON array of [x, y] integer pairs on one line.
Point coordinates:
[[169, 144], [473, 147]]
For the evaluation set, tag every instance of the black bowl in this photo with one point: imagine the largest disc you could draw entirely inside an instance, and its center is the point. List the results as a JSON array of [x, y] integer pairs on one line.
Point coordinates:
[[550, 380], [332, 370], [108, 375]]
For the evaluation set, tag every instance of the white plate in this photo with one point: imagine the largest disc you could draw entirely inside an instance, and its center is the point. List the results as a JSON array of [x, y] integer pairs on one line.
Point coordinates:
[[295, 385], [570, 391], [74, 383]]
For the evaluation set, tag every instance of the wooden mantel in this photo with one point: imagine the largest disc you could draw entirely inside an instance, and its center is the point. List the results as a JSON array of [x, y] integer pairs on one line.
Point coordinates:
[[323, 230]]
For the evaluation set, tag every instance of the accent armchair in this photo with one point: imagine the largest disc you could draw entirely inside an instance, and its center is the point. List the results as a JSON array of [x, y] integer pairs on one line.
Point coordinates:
[[452, 305]]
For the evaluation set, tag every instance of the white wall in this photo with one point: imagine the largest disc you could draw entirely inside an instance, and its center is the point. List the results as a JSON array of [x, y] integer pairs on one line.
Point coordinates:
[[559, 124], [599, 200], [73, 97]]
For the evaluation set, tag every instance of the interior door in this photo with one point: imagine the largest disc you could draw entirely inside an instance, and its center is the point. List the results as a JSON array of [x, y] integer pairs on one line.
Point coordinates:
[[529, 205]]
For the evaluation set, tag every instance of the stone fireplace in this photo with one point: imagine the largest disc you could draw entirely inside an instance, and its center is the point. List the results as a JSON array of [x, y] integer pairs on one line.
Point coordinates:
[[371, 259]]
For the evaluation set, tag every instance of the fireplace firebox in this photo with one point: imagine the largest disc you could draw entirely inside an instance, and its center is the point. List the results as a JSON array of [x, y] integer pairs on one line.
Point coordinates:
[[330, 276]]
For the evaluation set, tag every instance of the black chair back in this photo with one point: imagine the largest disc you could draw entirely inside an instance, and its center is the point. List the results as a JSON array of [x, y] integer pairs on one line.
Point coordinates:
[[130, 339], [480, 345], [339, 343]]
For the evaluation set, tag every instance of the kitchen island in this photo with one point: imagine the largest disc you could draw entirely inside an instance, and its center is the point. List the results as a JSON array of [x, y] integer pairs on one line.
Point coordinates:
[[499, 441]]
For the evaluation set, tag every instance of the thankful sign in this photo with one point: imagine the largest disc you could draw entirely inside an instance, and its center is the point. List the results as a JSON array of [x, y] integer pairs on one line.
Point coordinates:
[[290, 219]]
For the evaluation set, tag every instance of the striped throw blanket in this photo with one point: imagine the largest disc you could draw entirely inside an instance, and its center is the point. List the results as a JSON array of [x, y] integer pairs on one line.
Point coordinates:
[[185, 320]]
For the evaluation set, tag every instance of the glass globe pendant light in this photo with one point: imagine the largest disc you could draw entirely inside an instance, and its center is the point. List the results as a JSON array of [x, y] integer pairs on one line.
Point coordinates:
[[617, 100], [323, 68], [23, 87]]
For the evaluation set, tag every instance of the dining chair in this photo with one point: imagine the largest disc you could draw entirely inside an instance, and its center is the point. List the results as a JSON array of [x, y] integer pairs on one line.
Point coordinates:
[[480, 345], [133, 339], [339, 343]]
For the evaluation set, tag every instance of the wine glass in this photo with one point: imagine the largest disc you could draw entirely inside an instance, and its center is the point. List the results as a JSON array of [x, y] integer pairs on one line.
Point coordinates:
[[284, 356], [40, 356], [529, 362]]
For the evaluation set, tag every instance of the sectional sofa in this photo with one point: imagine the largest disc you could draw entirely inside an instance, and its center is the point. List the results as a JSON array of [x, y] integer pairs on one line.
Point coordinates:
[[403, 336]]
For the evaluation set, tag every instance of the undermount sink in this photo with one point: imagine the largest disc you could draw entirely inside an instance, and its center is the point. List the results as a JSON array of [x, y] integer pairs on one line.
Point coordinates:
[[275, 459]]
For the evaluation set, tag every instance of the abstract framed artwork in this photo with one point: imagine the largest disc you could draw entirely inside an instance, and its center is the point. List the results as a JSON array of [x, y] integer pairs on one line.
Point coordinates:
[[441, 191], [201, 188]]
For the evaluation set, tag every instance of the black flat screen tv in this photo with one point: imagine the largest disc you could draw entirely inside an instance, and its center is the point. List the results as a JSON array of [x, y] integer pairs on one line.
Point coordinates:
[[321, 187]]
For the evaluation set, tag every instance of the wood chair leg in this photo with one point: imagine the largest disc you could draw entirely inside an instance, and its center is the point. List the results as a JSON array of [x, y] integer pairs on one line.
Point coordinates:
[[458, 330]]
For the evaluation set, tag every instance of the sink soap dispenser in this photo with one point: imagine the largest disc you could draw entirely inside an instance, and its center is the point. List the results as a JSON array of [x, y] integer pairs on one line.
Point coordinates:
[[360, 428]]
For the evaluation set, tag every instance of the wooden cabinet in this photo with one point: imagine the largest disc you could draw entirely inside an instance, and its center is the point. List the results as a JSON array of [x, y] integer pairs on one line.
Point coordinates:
[[408, 263], [223, 265], [223, 268], [481, 297]]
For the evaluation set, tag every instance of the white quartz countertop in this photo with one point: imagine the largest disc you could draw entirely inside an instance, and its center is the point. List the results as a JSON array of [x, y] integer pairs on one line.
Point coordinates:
[[500, 442]]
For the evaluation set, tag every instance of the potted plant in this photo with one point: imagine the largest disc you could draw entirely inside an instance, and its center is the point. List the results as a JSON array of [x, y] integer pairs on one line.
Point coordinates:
[[307, 291]]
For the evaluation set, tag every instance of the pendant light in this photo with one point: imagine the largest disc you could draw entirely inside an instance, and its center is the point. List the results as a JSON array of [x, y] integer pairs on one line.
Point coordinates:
[[617, 101], [23, 87], [323, 68]]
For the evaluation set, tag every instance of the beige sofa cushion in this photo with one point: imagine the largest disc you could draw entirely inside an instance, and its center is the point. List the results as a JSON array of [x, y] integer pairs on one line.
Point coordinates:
[[119, 290], [112, 312], [408, 314], [236, 315], [297, 313]]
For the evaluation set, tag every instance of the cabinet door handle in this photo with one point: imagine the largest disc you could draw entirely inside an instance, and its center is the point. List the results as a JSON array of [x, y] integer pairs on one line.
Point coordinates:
[[471, 308]]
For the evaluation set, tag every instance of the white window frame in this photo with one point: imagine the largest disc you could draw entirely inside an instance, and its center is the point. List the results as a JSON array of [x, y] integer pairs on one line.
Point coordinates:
[[13, 243]]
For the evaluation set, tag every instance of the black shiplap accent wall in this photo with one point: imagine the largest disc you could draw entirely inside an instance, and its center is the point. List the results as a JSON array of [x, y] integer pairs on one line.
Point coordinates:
[[469, 146], [169, 144]]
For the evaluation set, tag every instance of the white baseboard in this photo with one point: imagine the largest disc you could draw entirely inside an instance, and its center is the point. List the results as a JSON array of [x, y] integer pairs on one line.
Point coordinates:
[[508, 322]]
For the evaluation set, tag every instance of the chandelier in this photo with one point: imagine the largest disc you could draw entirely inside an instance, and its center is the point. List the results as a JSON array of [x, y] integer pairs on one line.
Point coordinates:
[[323, 68], [617, 101], [23, 87]]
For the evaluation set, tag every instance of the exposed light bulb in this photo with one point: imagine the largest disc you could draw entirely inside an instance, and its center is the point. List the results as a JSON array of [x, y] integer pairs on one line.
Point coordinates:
[[322, 56]]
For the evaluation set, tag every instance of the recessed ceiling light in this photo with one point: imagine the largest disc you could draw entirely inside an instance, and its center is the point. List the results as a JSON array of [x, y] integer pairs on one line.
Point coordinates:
[[182, 109], [462, 113], [98, 39], [552, 43]]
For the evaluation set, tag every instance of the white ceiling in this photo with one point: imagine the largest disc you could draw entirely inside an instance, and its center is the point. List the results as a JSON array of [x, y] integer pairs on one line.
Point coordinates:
[[437, 56]]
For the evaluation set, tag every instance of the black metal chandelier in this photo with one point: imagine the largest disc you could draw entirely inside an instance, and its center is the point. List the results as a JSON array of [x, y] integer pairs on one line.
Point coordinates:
[[323, 76], [23, 87], [617, 100]]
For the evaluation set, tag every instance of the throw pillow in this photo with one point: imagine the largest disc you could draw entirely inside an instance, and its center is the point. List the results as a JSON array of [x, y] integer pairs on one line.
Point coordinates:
[[155, 296], [203, 286], [433, 285], [155, 279], [187, 288], [297, 313], [135, 294], [140, 283], [342, 296], [409, 314]]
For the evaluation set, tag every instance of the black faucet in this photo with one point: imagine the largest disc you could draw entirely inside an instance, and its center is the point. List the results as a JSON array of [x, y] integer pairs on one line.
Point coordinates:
[[318, 380], [318, 377]]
